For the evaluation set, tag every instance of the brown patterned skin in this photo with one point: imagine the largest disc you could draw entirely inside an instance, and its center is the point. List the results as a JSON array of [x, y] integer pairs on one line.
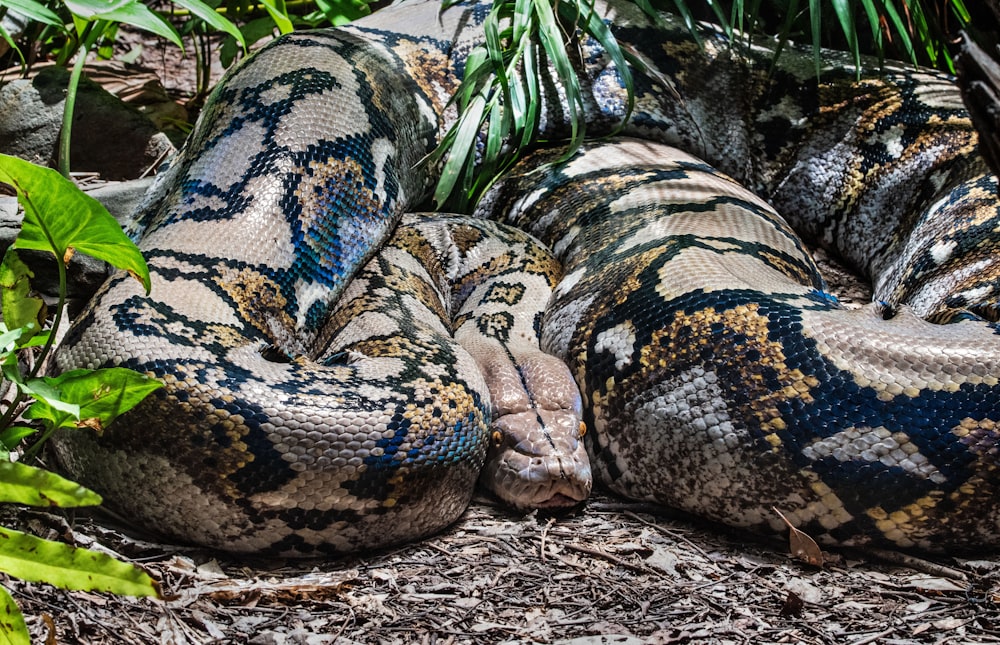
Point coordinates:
[[316, 401]]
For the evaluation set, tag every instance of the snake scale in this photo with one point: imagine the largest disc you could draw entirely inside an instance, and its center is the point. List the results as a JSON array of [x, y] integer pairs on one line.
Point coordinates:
[[337, 374]]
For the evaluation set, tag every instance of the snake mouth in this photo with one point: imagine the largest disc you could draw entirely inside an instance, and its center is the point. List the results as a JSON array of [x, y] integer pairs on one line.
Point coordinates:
[[558, 502]]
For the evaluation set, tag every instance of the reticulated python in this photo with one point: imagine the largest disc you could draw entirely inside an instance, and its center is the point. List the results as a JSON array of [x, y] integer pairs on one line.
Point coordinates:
[[317, 401]]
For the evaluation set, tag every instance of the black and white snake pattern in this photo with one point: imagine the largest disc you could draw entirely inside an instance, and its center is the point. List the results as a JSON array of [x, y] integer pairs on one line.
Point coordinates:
[[338, 374]]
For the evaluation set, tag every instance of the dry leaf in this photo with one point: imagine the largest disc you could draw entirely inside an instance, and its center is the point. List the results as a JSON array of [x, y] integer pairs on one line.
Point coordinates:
[[793, 605], [801, 545]]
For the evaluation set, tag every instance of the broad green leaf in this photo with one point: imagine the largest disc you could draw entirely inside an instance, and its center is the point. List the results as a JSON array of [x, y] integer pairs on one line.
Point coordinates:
[[212, 18], [37, 339], [60, 218], [37, 560], [13, 630], [23, 484], [34, 10], [11, 436], [20, 309], [88, 9], [9, 338], [48, 405], [100, 396]]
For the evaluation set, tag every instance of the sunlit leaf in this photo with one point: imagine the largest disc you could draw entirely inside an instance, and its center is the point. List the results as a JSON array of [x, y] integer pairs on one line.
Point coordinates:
[[13, 630], [12, 436], [37, 560], [23, 484], [131, 12], [33, 10], [279, 14], [465, 138], [20, 309], [59, 217], [99, 396], [212, 18], [340, 12]]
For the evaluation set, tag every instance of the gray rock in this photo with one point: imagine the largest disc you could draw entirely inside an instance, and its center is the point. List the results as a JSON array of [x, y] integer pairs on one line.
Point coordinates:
[[108, 137]]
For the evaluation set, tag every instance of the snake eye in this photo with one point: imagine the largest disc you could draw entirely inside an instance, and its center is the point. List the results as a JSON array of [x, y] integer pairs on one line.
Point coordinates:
[[583, 429], [497, 438]]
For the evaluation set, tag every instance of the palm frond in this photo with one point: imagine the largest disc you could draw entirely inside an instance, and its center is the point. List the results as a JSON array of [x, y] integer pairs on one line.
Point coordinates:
[[498, 100]]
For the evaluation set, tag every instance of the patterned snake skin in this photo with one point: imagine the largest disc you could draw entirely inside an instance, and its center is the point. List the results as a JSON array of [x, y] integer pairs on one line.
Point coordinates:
[[317, 401]]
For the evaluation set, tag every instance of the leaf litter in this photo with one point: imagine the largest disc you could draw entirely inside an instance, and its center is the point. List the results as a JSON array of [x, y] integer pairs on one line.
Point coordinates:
[[612, 572]]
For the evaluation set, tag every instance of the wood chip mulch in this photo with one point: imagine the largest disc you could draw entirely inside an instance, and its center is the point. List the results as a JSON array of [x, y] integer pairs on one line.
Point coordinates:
[[613, 572]]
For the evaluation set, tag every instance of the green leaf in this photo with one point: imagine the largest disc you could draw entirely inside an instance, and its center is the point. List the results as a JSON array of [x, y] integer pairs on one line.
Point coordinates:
[[815, 17], [100, 396], [23, 484], [37, 560], [10, 437], [131, 12], [8, 338], [48, 406], [901, 29], [845, 15], [341, 12], [213, 19], [279, 14], [464, 142], [13, 630], [550, 36], [7, 38], [20, 309], [34, 10], [60, 218]]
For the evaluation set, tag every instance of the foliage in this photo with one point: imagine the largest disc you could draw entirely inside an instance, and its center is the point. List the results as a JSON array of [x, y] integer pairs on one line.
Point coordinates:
[[58, 219], [497, 99], [917, 30], [501, 88]]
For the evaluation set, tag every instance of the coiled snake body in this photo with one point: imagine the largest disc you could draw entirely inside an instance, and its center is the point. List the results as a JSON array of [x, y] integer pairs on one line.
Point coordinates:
[[317, 401]]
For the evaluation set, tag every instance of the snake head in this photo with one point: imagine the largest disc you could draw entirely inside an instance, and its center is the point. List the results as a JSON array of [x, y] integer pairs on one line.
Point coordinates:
[[537, 458]]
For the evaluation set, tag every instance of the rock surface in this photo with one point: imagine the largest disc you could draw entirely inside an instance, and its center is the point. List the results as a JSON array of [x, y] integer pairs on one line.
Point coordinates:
[[109, 137]]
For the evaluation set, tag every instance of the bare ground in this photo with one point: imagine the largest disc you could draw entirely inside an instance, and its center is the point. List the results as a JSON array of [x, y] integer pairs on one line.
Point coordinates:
[[612, 572]]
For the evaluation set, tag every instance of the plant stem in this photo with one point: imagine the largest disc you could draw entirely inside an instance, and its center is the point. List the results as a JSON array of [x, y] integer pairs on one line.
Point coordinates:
[[8, 415], [90, 36], [32, 451], [56, 321]]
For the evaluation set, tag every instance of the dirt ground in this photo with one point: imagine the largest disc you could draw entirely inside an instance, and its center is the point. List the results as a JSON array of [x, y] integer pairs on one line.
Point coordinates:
[[612, 572]]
